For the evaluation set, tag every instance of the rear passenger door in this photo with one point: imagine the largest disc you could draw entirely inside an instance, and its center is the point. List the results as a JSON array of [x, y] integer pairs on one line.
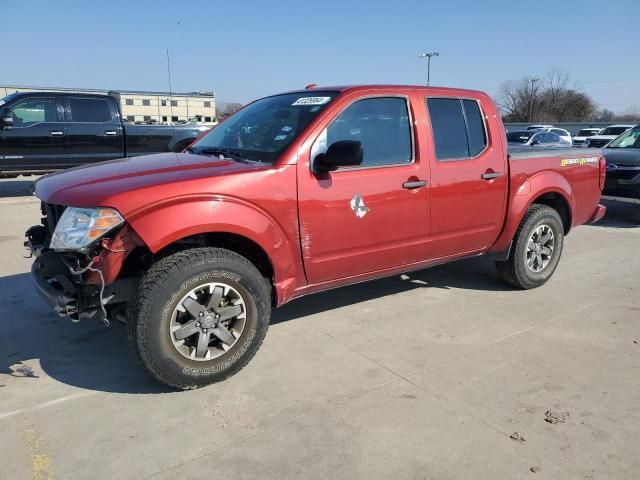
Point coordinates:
[[469, 177], [94, 130]]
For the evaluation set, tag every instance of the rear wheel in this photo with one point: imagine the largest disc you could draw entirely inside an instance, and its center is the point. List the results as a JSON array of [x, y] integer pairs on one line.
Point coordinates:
[[199, 316], [536, 249]]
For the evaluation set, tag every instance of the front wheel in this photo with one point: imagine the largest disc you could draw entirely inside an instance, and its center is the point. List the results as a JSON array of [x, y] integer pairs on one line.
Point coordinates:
[[199, 316], [536, 249]]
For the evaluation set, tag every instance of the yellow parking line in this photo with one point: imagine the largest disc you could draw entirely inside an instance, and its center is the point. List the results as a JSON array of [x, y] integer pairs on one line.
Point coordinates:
[[41, 468]]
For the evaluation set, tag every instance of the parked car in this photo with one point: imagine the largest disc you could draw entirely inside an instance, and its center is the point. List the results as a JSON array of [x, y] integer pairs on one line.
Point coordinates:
[[536, 138], [605, 136], [583, 134], [42, 132], [538, 127], [298, 193], [623, 165], [565, 135]]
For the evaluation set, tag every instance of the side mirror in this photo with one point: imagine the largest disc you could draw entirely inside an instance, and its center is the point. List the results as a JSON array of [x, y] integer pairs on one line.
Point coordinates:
[[535, 142], [6, 119], [345, 153]]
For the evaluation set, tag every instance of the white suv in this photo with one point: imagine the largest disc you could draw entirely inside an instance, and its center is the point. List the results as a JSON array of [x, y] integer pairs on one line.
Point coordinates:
[[606, 135], [583, 134]]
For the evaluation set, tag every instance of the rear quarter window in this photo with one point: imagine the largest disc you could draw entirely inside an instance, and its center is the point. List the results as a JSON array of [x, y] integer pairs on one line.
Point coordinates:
[[89, 110], [475, 127]]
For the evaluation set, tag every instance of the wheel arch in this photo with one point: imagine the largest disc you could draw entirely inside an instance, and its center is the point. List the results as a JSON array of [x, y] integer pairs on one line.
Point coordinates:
[[239, 244], [227, 223], [546, 188], [559, 203]]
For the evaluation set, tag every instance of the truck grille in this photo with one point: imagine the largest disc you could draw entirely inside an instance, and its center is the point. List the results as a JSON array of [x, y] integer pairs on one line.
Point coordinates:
[[52, 214], [623, 172]]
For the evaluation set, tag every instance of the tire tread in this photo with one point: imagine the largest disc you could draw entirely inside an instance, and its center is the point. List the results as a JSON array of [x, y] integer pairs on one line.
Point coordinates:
[[510, 270], [152, 283]]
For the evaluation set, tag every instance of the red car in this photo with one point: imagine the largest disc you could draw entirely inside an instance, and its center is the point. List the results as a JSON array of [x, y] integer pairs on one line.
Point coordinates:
[[297, 193]]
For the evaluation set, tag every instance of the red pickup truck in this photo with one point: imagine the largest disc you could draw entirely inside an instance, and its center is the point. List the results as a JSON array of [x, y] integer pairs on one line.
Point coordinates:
[[297, 193]]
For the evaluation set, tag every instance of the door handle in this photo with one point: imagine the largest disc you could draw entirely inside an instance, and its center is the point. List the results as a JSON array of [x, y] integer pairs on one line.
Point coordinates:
[[490, 176], [414, 184], [56, 133], [110, 133]]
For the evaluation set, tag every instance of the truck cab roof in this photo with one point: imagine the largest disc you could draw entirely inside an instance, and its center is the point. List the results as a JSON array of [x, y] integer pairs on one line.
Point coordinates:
[[390, 88]]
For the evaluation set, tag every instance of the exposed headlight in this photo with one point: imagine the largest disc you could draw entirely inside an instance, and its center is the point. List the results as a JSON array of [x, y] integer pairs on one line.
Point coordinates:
[[79, 227]]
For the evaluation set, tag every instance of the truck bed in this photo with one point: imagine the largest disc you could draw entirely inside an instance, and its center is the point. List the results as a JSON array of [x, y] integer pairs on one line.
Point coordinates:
[[521, 153], [578, 167]]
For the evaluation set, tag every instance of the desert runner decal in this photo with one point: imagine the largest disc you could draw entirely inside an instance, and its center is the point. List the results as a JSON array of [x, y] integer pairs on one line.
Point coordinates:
[[578, 161]]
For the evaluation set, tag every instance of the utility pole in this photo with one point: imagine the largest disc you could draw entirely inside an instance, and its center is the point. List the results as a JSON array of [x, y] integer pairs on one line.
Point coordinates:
[[170, 87], [428, 56], [532, 81]]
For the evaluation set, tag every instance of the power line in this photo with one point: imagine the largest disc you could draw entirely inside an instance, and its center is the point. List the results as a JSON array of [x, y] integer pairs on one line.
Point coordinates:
[[618, 80]]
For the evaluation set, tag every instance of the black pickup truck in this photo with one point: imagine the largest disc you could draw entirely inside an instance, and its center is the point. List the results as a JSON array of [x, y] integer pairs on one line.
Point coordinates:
[[42, 132]]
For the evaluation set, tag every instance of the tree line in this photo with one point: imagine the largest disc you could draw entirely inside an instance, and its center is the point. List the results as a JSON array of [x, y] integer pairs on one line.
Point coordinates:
[[553, 99]]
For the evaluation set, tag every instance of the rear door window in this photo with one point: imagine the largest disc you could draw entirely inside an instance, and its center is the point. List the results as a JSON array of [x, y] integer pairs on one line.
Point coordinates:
[[89, 110], [458, 128]]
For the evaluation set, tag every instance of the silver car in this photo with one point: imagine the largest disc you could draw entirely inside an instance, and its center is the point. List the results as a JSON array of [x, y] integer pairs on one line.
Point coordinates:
[[536, 138]]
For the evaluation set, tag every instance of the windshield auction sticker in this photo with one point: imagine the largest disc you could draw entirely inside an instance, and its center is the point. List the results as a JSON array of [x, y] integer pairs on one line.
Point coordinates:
[[578, 161], [311, 101]]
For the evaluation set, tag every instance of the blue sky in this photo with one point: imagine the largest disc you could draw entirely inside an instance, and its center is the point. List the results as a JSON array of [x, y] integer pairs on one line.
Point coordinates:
[[245, 49]]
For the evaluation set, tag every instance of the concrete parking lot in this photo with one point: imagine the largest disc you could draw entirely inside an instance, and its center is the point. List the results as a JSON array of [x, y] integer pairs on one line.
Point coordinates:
[[424, 376]]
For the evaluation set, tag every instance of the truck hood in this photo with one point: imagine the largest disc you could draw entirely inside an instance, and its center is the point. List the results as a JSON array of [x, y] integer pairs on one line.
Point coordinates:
[[622, 156], [102, 183]]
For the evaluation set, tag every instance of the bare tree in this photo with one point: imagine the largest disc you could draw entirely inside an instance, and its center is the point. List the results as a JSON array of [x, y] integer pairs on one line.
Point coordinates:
[[605, 115], [224, 109], [630, 115], [550, 100], [518, 100], [554, 104]]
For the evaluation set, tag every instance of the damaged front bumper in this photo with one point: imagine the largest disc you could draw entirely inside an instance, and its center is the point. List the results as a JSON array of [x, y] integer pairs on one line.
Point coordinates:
[[83, 285], [56, 286]]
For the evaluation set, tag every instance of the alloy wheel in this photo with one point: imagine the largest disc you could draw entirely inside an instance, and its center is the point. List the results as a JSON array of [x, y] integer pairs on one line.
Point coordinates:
[[208, 321], [540, 248]]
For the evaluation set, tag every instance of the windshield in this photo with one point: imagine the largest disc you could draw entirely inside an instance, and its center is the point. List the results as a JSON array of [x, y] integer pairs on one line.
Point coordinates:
[[614, 130], [6, 99], [587, 132], [519, 137], [631, 139], [262, 130]]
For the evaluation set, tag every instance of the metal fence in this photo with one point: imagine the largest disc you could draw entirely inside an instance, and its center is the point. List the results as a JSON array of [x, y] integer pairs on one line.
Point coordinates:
[[573, 127]]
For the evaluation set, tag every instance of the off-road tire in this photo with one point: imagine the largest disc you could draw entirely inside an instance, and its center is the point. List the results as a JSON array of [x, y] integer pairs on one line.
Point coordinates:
[[515, 271], [164, 284]]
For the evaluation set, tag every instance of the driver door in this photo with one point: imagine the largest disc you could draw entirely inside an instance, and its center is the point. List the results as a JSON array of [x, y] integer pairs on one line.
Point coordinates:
[[357, 220]]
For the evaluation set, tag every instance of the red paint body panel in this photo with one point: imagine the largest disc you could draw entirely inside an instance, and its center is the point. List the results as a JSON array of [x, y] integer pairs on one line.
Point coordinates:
[[467, 211], [304, 222], [112, 256], [335, 242]]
